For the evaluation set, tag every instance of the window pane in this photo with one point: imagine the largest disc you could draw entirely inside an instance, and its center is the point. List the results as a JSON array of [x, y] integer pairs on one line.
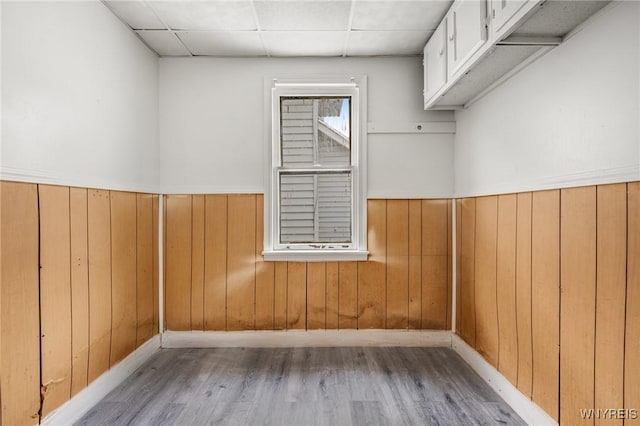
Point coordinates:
[[315, 131], [315, 208]]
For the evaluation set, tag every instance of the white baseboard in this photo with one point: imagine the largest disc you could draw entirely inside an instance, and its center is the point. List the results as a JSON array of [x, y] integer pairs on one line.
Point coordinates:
[[76, 407], [295, 338], [529, 411]]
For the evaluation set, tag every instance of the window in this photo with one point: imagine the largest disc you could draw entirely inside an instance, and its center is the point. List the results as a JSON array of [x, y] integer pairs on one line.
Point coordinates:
[[316, 199]]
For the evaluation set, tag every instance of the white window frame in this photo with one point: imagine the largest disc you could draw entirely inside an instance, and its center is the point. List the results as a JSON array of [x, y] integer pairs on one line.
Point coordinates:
[[338, 86]]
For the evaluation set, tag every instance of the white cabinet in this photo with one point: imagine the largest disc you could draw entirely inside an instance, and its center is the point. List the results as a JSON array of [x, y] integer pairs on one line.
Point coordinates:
[[504, 13], [435, 61], [466, 33]]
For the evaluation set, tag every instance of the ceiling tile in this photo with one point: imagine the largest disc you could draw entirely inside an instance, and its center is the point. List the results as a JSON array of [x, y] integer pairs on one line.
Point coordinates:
[[165, 43], [422, 15], [304, 43], [376, 43], [136, 14], [236, 15], [303, 15], [227, 43]]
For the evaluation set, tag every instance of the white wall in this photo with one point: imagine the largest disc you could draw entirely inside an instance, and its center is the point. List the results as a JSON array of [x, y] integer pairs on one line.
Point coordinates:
[[572, 118], [207, 146], [79, 100]]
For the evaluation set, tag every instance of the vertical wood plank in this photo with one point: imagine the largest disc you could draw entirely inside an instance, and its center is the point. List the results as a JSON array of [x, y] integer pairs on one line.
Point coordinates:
[[434, 264], [434, 227], [265, 275], [144, 265], [316, 295], [434, 291], [610, 297], [506, 288], [79, 289], [348, 296], [523, 292], [372, 273], [99, 231], [123, 275], [458, 265], [296, 295], [215, 263], [449, 265], [241, 262], [467, 270], [487, 336], [415, 264], [333, 289], [20, 379], [197, 261], [178, 263], [545, 298], [280, 296], [632, 340], [397, 265], [164, 263], [578, 302], [156, 263], [55, 296]]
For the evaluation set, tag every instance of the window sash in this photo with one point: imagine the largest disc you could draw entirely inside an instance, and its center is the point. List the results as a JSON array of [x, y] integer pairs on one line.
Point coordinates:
[[315, 213]]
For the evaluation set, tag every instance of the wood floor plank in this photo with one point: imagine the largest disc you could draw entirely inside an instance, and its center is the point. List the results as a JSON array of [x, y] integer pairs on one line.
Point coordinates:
[[20, 357], [144, 264], [487, 336], [296, 295], [280, 295], [632, 340], [178, 263], [55, 295], [79, 289], [506, 288], [545, 299], [415, 264], [523, 292], [397, 264], [467, 271], [215, 263], [265, 275], [611, 282], [99, 233], [348, 295], [333, 291], [123, 275], [578, 302], [372, 273], [316, 295], [197, 261], [310, 386]]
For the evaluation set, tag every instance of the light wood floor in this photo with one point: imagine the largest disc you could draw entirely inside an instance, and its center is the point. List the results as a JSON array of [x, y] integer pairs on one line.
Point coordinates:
[[303, 386]]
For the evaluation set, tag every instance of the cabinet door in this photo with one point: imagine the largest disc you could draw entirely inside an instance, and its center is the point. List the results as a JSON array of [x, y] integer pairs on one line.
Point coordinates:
[[503, 12], [466, 32], [435, 62]]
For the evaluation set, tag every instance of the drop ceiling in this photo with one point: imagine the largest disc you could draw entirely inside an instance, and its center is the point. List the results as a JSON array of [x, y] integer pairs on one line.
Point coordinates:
[[248, 28]]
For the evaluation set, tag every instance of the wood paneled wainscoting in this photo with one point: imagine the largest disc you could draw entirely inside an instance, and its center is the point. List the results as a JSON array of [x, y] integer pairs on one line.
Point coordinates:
[[78, 288], [548, 291], [216, 279]]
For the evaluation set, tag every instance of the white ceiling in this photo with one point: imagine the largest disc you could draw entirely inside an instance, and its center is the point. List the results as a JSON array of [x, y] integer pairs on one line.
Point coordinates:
[[282, 27]]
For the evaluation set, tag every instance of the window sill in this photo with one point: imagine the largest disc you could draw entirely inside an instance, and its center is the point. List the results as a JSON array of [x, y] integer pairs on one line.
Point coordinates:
[[315, 255]]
